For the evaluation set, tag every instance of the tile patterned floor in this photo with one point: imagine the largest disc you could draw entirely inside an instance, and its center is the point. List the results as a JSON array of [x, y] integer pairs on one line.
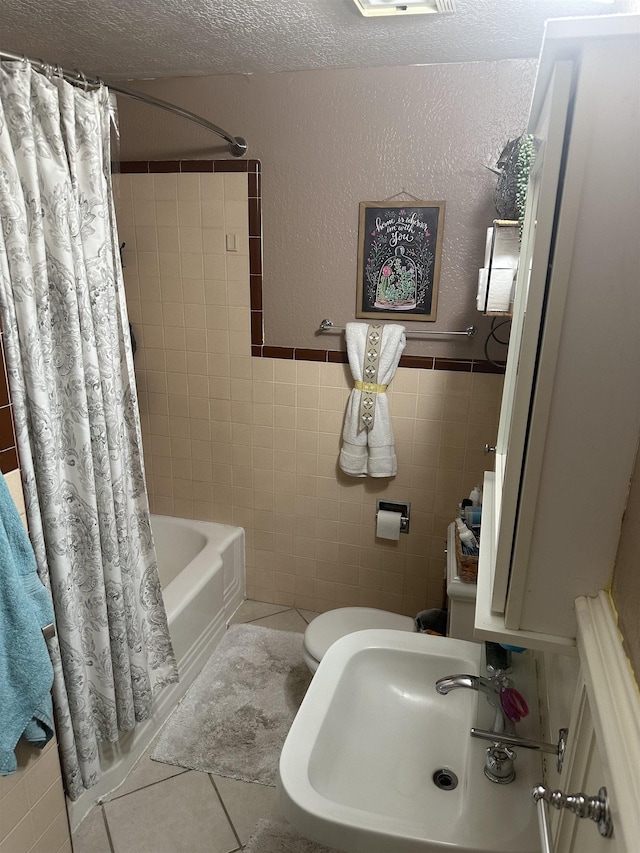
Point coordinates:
[[165, 809]]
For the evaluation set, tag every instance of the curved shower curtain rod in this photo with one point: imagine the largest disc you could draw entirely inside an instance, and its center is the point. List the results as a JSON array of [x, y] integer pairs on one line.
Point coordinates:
[[237, 145]]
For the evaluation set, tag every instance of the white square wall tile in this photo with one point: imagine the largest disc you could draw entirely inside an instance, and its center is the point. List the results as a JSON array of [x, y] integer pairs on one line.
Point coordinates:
[[167, 213], [14, 484], [121, 186], [211, 187], [144, 211], [189, 187], [212, 212], [142, 187], [166, 187], [235, 186], [236, 215], [237, 267]]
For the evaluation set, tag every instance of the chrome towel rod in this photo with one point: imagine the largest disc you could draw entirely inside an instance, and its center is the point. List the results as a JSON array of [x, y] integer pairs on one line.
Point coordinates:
[[237, 145], [326, 325]]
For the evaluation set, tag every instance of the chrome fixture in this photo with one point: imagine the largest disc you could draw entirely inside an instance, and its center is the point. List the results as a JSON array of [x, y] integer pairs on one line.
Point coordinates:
[[595, 808], [489, 448], [499, 757], [491, 687], [498, 764], [557, 749], [401, 507], [503, 739], [327, 325]]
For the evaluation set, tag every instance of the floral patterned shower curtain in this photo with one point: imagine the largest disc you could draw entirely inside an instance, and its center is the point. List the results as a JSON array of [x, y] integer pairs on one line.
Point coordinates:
[[70, 371]]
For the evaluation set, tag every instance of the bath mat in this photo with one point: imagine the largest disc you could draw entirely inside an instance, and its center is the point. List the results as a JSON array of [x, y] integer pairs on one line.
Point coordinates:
[[235, 716], [272, 836]]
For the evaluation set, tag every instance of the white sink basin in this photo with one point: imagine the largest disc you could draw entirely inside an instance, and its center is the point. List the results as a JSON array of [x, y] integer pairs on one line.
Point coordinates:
[[357, 768]]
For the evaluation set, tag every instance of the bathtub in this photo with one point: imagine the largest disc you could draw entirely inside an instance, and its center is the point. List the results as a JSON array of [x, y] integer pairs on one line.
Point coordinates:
[[201, 568], [202, 572]]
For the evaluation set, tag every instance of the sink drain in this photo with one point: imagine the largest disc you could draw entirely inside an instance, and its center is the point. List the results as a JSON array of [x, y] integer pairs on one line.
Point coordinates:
[[445, 779]]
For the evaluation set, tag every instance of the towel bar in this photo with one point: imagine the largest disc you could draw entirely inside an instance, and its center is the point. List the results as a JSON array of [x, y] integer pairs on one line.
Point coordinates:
[[595, 808], [326, 325], [546, 843]]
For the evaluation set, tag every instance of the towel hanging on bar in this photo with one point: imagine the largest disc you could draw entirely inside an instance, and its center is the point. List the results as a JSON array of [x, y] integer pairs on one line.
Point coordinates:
[[368, 444]]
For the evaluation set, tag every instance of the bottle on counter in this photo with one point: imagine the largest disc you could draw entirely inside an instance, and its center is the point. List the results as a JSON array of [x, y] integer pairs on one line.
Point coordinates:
[[468, 541], [475, 496]]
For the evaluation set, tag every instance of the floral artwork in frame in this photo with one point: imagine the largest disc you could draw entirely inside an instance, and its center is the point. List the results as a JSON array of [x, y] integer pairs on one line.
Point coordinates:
[[399, 252]]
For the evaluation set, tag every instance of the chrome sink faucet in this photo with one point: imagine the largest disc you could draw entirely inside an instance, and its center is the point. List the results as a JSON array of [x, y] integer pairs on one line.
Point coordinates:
[[491, 687]]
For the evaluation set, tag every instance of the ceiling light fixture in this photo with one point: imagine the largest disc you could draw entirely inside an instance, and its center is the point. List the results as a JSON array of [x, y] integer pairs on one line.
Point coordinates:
[[371, 8]]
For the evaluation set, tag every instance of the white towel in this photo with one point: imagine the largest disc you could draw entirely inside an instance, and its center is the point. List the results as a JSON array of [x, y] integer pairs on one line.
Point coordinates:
[[371, 452]]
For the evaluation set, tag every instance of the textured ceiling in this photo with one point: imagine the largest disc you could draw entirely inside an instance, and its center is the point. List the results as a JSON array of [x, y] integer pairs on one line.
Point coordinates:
[[120, 39]]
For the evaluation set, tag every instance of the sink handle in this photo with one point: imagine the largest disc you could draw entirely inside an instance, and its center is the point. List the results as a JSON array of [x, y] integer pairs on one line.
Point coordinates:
[[514, 740]]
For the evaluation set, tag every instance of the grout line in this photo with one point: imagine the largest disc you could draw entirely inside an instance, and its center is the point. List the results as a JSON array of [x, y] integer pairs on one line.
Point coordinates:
[[224, 809], [302, 615], [106, 828], [268, 616], [148, 785]]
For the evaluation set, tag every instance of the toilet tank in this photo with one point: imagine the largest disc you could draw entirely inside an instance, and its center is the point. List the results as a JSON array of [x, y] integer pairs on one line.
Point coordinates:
[[461, 595]]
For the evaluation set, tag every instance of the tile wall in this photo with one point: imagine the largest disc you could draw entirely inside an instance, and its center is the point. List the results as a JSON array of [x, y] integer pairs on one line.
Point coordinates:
[[255, 441], [8, 452], [33, 815]]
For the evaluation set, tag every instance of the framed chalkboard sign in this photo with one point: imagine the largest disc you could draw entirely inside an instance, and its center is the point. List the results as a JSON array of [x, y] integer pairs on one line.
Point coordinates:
[[399, 249]]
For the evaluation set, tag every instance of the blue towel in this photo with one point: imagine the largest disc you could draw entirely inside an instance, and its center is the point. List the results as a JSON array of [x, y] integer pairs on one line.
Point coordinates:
[[26, 673]]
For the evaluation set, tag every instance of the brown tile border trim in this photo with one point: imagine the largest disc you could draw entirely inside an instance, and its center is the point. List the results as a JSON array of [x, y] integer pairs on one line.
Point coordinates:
[[8, 450], [155, 167], [259, 349]]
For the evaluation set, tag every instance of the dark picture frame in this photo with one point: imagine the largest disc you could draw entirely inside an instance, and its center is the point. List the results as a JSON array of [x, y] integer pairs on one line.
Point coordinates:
[[399, 255]]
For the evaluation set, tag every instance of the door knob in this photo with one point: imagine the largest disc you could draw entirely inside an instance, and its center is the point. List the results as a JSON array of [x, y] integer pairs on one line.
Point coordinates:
[[489, 448]]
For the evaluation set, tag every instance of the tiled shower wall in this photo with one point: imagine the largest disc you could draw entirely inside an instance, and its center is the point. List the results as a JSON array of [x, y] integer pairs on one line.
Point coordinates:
[[255, 441]]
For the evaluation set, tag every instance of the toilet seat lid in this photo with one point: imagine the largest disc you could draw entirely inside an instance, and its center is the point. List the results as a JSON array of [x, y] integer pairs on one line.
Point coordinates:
[[334, 624]]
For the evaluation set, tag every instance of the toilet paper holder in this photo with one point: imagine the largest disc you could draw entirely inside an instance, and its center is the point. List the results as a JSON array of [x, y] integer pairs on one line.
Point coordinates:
[[396, 506]]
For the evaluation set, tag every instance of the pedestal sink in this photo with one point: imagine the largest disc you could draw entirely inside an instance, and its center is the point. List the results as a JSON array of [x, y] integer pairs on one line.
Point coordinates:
[[378, 762]]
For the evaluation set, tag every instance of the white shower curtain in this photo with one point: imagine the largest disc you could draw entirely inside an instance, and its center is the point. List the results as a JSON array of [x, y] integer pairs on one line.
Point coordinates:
[[70, 371]]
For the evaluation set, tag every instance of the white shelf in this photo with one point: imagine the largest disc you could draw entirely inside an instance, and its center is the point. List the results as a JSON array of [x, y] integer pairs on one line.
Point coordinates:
[[489, 625]]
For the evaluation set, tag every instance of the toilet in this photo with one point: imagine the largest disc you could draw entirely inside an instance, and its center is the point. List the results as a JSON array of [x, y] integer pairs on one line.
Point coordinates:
[[334, 624]]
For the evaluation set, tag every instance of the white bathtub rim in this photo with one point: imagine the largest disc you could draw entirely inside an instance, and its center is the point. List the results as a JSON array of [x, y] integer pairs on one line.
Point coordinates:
[[191, 580]]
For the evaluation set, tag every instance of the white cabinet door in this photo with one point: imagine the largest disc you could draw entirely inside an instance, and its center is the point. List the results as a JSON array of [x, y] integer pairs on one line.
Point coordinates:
[[570, 417], [528, 320], [584, 415]]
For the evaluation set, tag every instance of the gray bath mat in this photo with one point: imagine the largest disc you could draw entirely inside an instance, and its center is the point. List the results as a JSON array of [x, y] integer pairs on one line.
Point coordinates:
[[272, 836], [235, 716]]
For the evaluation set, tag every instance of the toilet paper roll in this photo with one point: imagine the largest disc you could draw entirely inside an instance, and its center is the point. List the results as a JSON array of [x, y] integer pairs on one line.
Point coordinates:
[[500, 289], [388, 524]]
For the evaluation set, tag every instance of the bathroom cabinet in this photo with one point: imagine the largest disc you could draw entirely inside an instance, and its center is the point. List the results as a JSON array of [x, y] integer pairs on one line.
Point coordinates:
[[570, 416]]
